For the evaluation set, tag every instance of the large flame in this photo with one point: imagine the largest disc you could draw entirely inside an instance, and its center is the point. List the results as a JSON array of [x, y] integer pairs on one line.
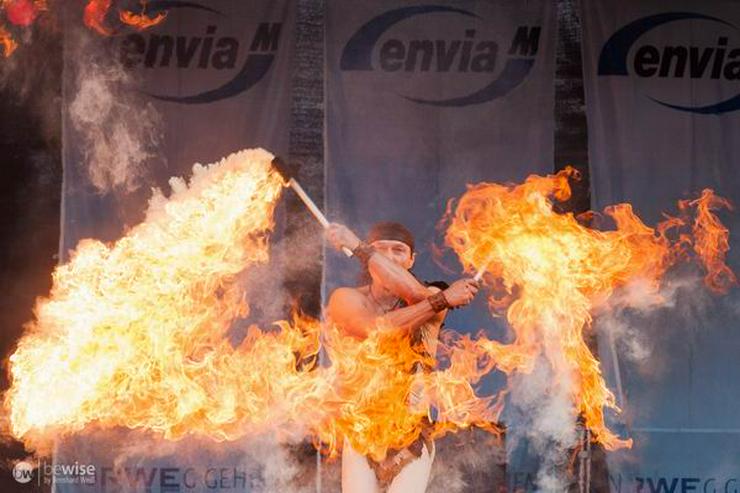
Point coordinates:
[[555, 271], [133, 333]]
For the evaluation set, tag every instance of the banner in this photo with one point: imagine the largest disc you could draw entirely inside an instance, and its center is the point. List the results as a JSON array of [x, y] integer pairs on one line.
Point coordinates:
[[662, 84], [423, 98], [212, 78], [140, 107]]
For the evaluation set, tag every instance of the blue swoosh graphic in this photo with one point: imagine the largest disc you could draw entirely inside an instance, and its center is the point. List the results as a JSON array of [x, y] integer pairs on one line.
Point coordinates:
[[159, 5], [613, 57], [515, 71], [731, 104], [357, 53], [254, 69]]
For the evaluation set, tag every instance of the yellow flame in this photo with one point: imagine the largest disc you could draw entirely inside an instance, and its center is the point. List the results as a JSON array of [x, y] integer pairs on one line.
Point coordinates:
[[132, 333], [554, 271], [7, 42], [131, 330]]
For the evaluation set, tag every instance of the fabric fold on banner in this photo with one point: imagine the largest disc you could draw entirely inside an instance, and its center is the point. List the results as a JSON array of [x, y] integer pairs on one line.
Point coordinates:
[[663, 112]]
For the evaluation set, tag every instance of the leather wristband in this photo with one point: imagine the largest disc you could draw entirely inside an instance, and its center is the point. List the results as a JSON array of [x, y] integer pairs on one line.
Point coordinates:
[[438, 301], [363, 252]]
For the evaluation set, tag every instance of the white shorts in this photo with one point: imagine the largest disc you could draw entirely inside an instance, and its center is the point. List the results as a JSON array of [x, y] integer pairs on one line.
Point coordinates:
[[359, 477]]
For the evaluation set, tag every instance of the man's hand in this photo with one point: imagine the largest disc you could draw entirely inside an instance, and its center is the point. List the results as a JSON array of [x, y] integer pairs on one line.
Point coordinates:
[[340, 236], [461, 292]]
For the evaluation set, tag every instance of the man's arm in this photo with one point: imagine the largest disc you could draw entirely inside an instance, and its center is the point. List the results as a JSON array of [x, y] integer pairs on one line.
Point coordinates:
[[348, 309], [392, 276], [397, 280]]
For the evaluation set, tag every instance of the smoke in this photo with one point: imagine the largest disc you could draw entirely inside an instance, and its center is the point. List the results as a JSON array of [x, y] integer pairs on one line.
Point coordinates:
[[470, 460], [636, 318], [119, 132], [542, 409], [130, 461], [117, 129]]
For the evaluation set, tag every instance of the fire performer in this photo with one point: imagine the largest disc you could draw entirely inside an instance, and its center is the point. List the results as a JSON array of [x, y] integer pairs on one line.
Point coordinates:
[[392, 298]]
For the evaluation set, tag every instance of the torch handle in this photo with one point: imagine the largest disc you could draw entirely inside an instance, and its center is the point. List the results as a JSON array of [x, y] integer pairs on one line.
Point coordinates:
[[479, 274], [313, 208]]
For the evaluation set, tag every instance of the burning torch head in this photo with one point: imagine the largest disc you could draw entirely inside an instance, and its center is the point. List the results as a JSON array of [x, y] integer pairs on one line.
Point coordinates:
[[286, 171]]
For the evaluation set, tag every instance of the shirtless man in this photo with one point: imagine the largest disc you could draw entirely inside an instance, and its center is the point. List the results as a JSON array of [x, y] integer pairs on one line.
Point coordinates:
[[392, 298]]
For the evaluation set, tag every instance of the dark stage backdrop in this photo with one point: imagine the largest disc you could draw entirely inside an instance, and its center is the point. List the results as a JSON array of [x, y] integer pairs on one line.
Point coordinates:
[[662, 86], [423, 99]]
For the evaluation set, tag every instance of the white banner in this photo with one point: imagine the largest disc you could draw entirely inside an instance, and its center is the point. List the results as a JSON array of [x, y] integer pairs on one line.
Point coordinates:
[[426, 97], [663, 102]]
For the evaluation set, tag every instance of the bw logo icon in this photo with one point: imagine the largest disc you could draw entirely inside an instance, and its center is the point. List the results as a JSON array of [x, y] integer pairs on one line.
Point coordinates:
[[23, 472]]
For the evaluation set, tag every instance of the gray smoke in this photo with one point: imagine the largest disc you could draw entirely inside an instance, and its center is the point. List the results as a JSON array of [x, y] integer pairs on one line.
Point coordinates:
[[546, 419], [118, 129], [128, 460], [633, 319]]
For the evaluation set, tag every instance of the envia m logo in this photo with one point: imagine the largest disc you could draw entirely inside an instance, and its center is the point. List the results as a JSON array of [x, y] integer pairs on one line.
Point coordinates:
[[204, 52], [713, 60], [460, 52]]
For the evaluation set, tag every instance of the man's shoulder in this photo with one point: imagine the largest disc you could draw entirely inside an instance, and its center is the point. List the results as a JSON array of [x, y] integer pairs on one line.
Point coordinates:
[[348, 293], [347, 300]]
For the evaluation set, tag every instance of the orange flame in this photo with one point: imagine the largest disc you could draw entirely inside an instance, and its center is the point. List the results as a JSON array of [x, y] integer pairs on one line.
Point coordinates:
[[711, 240], [7, 42], [141, 20], [23, 12], [133, 332], [94, 16], [557, 271], [97, 10]]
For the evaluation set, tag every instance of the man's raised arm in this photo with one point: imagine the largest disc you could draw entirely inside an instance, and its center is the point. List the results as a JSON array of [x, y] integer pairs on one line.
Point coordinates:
[[392, 276], [348, 309]]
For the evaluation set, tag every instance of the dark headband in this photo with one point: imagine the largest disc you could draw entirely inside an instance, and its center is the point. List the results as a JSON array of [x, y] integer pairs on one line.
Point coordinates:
[[391, 231]]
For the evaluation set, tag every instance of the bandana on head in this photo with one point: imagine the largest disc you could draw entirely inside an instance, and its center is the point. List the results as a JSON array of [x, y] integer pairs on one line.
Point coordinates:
[[391, 231]]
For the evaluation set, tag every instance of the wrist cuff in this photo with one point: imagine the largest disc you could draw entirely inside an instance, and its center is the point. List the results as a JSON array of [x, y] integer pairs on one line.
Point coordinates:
[[438, 301], [363, 252]]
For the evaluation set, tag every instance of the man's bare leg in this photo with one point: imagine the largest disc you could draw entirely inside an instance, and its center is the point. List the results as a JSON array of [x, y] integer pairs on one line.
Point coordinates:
[[414, 478], [357, 475]]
